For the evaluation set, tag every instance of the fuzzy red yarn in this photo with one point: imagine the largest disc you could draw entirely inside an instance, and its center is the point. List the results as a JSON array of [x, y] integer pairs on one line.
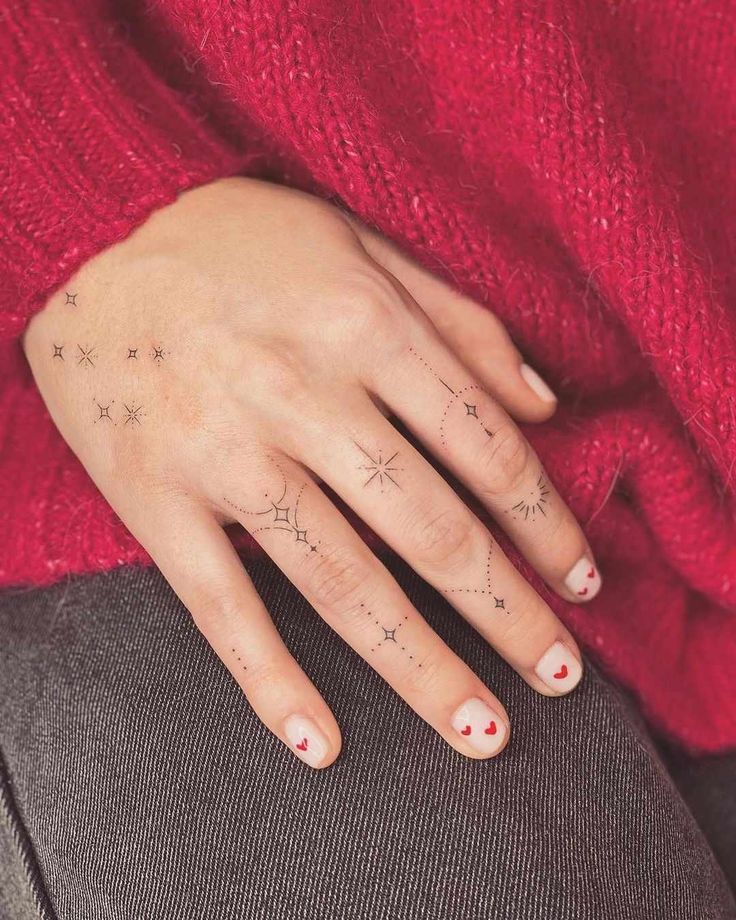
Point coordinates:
[[571, 165]]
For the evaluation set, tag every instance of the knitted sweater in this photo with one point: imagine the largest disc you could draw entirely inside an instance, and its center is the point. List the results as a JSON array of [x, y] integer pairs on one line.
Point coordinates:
[[570, 165]]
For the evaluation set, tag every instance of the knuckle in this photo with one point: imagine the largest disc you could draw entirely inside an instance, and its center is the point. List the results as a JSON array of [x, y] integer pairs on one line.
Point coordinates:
[[278, 374], [445, 539], [338, 582], [214, 609], [370, 304], [504, 462]]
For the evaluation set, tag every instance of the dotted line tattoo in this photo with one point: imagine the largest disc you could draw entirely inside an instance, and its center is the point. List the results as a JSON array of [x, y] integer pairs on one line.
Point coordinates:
[[499, 603], [456, 400]]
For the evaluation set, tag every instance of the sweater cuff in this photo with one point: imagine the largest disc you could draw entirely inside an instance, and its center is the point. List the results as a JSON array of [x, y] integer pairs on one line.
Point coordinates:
[[94, 141]]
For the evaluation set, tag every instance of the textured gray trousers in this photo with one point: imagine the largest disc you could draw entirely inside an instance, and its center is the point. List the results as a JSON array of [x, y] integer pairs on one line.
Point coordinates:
[[137, 784]]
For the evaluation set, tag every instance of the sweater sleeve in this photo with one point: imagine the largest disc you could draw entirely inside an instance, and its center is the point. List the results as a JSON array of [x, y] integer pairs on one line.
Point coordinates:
[[91, 141]]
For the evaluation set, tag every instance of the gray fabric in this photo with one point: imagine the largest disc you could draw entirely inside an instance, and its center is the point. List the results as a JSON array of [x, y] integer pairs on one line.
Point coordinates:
[[149, 789]]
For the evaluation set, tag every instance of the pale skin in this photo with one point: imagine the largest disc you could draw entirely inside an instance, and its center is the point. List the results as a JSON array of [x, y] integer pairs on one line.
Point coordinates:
[[249, 342]]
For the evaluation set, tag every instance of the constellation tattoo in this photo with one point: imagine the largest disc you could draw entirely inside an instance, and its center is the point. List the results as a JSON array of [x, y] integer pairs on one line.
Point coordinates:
[[380, 470], [499, 603], [533, 503], [132, 414], [58, 352], [70, 299], [104, 411], [86, 356], [133, 353], [463, 397]]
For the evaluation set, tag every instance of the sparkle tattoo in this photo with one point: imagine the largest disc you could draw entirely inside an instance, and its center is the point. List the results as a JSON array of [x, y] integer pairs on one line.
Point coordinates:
[[133, 353], [158, 354], [380, 472], [71, 299], [104, 412], [58, 352]]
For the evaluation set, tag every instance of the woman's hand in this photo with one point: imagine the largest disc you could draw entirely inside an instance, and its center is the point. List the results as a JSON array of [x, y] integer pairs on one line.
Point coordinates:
[[238, 348]]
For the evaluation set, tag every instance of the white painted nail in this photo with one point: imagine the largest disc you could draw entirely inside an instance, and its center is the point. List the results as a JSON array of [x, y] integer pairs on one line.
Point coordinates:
[[305, 739], [559, 668], [480, 726], [535, 382], [584, 579]]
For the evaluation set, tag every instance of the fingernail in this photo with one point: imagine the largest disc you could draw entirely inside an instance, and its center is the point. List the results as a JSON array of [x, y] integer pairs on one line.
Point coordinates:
[[305, 739], [480, 726], [583, 579], [535, 382], [559, 668]]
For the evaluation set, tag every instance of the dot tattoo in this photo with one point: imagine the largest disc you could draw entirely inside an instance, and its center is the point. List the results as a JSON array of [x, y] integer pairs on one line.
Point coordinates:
[[380, 471], [86, 356], [245, 667], [71, 299], [58, 352]]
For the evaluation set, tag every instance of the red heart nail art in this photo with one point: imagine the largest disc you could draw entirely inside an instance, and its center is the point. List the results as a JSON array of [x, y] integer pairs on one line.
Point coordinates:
[[303, 744], [491, 730], [591, 573], [466, 731], [583, 592], [562, 673]]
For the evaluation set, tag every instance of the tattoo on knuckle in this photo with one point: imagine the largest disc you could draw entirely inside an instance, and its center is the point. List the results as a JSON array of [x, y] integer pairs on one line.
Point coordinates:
[[380, 469], [504, 462], [338, 579]]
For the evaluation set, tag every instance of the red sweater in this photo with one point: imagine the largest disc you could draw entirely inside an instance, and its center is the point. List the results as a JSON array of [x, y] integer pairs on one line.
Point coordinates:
[[569, 164]]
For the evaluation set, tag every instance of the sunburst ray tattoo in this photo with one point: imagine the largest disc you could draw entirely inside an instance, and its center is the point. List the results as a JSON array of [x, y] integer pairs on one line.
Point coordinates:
[[381, 472], [535, 503]]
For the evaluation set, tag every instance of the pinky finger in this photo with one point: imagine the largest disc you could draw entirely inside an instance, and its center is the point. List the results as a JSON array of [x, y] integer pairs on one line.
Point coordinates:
[[211, 582]]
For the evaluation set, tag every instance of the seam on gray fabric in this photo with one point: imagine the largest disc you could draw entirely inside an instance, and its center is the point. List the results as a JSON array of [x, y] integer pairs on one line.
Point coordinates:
[[24, 846]]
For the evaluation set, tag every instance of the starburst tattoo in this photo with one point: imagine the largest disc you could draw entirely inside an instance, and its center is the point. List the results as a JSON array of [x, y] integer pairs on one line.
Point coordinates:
[[71, 299], [534, 503], [132, 414], [58, 352], [381, 471], [86, 356]]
